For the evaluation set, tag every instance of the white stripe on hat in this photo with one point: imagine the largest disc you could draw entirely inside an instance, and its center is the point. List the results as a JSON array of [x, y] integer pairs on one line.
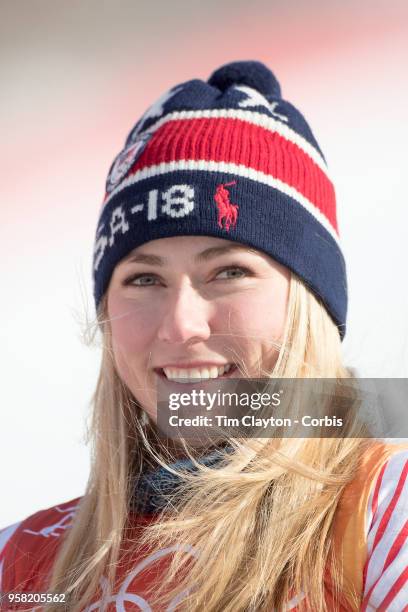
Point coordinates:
[[228, 168]]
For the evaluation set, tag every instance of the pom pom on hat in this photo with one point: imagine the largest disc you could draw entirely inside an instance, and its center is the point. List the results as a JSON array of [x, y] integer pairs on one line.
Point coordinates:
[[251, 73]]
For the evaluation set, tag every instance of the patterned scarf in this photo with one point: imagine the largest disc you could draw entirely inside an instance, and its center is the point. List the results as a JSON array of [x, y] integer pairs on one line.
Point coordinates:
[[153, 486]]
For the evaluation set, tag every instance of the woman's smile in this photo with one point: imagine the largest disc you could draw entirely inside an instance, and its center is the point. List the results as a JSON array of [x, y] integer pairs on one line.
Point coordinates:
[[196, 373]]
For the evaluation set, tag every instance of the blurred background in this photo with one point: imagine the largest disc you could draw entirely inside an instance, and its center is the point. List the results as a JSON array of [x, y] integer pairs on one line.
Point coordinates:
[[75, 76]]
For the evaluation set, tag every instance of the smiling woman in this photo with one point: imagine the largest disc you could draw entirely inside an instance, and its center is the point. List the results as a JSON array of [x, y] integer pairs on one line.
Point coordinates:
[[217, 256], [169, 302]]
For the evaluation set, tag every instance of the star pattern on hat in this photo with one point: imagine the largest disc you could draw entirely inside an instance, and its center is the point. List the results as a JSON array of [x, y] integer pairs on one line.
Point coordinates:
[[157, 109], [255, 98]]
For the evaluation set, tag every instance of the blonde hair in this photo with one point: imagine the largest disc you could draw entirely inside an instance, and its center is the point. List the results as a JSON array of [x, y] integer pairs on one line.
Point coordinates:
[[230, 515]]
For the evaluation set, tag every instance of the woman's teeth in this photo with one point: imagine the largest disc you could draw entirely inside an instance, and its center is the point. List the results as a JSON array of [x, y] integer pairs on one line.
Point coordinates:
[[191, 375]]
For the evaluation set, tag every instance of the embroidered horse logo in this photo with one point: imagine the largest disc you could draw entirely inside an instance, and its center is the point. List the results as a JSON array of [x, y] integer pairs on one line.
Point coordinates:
[[227, 211]]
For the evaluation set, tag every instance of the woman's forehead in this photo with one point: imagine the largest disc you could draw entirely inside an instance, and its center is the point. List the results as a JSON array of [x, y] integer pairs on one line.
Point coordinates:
[[194, 245], [194, 249]]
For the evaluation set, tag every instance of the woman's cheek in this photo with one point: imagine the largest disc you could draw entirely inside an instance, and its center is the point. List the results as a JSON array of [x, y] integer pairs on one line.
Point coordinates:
[[131, 320], [131, 327], [273, 315], [259, 316], [246, 313]]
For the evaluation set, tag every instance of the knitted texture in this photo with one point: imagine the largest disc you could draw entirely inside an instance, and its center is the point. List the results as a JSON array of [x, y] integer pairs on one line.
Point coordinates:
[[227, 158], [155, 488]]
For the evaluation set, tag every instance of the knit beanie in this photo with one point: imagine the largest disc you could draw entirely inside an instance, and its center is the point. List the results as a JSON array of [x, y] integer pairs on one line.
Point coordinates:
[[229, 158]]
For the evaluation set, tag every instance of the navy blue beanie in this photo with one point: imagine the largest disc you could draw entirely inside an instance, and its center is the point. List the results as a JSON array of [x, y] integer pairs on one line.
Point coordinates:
[[228, 158]]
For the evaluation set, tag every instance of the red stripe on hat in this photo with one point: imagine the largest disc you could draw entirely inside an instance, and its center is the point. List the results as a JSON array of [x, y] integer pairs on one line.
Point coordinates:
[[239, 142]]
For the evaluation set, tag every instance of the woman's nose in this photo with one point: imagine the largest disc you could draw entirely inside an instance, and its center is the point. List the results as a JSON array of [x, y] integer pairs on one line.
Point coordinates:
[[185, 316]]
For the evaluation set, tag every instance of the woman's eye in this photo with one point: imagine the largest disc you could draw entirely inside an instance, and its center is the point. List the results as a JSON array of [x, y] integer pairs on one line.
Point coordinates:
[[140, 280], [234, 270]]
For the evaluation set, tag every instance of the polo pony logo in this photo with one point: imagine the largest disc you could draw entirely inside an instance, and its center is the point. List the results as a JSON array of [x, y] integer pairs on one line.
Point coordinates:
[[227, 211]]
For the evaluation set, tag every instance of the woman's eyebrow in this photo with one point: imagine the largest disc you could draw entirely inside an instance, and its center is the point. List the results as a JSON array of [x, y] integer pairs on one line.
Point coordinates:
[[206, 255]]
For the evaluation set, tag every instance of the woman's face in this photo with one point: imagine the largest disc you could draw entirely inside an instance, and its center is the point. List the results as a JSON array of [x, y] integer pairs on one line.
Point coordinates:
[[194, 303]]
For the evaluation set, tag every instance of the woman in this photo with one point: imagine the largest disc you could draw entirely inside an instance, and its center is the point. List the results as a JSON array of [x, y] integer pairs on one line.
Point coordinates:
[[216, 256]]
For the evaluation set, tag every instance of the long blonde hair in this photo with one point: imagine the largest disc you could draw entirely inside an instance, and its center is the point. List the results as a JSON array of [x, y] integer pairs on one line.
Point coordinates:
[[230, 515]]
